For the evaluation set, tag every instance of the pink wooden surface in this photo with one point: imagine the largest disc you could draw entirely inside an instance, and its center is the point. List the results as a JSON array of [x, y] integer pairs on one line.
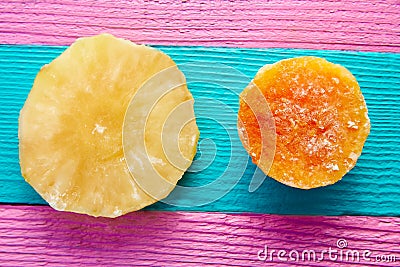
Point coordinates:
[[37, 235], [349, 24]]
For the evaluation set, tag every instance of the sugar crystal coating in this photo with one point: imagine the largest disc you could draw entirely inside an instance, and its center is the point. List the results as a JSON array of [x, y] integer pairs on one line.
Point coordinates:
[[321, 121]]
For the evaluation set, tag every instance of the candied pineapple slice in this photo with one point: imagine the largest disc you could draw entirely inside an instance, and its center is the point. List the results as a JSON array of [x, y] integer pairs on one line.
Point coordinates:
[[71, 127], [321, 121]]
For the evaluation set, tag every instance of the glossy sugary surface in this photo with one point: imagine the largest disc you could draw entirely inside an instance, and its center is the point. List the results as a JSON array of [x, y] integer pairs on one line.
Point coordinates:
[[70, 128], [320, 118]]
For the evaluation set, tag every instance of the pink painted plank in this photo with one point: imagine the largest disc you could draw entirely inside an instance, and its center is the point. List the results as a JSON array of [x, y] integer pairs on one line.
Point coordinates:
[[350, 24], [38, 235]]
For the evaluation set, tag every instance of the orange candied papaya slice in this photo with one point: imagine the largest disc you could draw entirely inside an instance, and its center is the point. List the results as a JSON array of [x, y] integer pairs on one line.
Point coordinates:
[[321, 121]]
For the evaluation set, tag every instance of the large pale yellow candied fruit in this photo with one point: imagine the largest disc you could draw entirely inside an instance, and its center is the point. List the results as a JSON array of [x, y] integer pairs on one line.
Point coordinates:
[[71, 127]]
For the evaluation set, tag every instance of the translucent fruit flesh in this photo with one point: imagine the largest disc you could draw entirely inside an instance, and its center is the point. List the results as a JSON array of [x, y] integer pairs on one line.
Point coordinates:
[[321, 121], [71, 126]]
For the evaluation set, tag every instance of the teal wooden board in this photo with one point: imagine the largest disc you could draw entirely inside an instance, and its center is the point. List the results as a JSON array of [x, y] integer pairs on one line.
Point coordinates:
[[371, 188]]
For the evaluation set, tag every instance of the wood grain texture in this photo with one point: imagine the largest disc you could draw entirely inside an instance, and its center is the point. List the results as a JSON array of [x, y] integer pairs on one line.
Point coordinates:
[[347, 25], [38, 236], [371, 188]]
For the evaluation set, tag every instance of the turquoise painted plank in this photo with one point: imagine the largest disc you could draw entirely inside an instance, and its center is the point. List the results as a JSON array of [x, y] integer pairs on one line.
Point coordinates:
[[371, 188]]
